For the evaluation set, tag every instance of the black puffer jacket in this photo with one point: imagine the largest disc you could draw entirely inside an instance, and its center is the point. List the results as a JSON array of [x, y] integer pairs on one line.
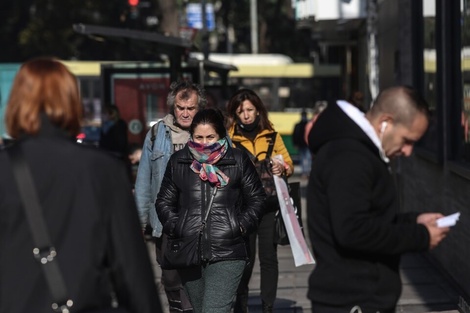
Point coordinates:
[[183, 199]]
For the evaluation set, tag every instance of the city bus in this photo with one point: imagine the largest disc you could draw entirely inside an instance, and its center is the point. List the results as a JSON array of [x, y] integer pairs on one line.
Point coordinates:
[[139, 89]]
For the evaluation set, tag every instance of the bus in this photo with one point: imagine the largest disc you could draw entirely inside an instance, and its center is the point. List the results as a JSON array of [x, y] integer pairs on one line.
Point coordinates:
[[139, 89]]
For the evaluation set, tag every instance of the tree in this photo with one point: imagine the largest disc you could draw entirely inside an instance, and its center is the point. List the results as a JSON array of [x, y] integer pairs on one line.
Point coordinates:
[[44, 27], [169, 17]]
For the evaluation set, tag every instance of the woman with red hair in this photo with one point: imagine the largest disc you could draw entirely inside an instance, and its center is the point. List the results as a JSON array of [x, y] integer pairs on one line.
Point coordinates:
[[85, 199]]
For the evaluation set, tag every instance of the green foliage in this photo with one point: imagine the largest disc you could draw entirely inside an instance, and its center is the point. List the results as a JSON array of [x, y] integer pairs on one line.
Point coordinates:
[[32, 28], [44, 27]]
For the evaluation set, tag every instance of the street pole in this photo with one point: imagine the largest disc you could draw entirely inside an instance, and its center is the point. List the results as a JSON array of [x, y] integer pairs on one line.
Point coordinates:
[[254, 26], [205, 33], [373, 57]]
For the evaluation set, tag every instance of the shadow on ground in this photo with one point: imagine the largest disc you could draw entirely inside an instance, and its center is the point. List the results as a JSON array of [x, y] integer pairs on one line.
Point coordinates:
[[280, 306]]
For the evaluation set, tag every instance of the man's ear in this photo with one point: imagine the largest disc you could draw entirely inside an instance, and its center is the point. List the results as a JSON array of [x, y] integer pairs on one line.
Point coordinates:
[[383, 126], [385, 120]]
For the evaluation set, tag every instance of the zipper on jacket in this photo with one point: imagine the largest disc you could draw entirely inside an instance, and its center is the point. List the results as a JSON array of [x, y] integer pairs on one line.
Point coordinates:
[[205, 238]]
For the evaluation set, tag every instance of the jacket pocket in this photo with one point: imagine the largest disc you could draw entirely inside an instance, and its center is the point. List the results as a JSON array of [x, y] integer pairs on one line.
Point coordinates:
[[234, 224], [156, 155]]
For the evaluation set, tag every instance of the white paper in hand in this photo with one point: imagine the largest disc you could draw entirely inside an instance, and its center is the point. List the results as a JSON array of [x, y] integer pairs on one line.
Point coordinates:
[[448, 221]]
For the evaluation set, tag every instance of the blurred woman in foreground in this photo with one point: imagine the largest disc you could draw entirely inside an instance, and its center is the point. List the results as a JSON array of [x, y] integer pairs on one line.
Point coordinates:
[[86, 201]]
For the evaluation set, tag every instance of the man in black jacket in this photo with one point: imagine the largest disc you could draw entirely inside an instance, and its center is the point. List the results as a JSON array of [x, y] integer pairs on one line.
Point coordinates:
[[355, 229]]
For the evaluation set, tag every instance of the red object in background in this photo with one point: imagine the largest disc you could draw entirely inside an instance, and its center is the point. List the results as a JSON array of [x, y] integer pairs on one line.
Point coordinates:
[[142, 100], [133, 3]]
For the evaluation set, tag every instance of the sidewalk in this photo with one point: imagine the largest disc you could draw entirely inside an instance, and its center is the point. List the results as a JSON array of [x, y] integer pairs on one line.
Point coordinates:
[[425, 289]]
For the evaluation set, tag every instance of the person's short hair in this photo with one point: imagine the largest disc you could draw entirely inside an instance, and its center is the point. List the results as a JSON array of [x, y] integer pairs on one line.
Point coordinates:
[[355, 97], [43, 86], [319, 107], [112, 111], [402, 102], [247, 94], [185, 89], [211, 116]]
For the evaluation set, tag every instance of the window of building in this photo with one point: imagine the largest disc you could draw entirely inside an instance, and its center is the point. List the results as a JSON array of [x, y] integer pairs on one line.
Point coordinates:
[[429, 142], [464, 153]]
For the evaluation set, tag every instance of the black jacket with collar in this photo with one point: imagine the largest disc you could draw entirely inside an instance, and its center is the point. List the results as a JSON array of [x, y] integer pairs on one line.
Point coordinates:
[[92, 220], [355, 227], [183, 199]]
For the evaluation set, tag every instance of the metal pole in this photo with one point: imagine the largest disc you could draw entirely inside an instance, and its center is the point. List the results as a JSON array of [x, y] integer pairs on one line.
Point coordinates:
[[254, 26], [205, 33], [373, 58]]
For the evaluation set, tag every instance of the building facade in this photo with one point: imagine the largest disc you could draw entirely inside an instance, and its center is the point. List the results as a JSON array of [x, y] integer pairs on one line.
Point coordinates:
[[425, 44]]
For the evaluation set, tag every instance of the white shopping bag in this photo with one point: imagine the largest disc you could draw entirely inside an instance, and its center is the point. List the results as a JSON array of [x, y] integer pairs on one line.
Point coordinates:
[[300, 251]]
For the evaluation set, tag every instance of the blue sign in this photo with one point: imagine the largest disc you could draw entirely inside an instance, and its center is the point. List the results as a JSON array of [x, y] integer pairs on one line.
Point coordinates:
[[194, 15]]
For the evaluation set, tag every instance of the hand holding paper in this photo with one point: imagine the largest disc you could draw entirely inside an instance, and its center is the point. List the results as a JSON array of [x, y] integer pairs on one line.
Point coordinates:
[[448, 221]]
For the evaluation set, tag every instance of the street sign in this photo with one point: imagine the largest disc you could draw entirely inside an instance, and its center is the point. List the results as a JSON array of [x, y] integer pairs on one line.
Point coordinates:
[[194, 15]]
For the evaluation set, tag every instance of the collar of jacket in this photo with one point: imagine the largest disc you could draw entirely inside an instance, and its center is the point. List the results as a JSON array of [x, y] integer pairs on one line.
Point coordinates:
[[47, 129], [334, 123], [237, 136], [359, 118]]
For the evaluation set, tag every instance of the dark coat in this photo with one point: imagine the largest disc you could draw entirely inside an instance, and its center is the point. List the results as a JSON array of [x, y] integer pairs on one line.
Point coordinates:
[[183, 198], [92, 220], [355, 228]]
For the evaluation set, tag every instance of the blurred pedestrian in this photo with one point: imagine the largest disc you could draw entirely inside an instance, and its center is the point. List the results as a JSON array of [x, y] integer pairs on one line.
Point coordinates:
[[114, 132], [357, 99], [318, 108], [250, 129], [86, 201], [209, 166], [298, 138], [353, 217], [135, 152], [168, 135], [113, 137]]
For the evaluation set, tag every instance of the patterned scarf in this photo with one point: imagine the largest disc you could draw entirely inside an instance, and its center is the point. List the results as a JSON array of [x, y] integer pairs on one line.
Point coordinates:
[[205, 156]]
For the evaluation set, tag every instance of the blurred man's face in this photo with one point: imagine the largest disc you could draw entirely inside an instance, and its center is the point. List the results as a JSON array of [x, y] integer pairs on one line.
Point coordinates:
[[399, 139], [185, 109]]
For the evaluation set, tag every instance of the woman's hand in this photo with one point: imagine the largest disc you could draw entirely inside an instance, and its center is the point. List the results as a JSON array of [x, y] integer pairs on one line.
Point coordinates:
[[277, 168]]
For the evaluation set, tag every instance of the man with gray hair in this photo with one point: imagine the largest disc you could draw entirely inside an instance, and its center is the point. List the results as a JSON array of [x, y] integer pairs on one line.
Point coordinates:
[[355, 227], [168, 135]]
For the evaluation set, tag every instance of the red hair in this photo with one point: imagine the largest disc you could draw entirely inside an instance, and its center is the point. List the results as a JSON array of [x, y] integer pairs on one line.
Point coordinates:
[[43, 86]]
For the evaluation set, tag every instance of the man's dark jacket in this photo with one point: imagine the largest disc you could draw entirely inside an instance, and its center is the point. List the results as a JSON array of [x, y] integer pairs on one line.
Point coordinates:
[[183, 198], [355, 228]]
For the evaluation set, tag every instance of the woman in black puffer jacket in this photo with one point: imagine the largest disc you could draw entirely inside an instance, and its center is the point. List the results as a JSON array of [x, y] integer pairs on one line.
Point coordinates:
[[205, 163]]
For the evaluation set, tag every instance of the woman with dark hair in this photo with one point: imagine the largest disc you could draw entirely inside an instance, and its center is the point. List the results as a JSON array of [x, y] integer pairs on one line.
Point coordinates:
[[208, 168], [85, 199], [251, 130]]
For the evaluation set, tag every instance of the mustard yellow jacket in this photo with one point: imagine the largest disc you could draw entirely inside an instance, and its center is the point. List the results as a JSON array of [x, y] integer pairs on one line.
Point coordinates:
[[259, 146]]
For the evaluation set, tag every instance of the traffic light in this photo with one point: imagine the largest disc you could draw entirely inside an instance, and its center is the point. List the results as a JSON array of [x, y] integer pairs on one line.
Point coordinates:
[[134, 8]]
